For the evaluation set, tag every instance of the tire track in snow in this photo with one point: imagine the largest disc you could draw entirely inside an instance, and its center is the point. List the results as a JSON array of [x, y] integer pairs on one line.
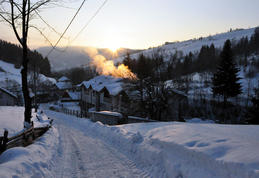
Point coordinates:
[[83, 155]]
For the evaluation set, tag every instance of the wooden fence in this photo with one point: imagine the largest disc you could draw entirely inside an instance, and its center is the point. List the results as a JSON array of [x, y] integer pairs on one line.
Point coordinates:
[[105, 118], [22, 139], [76, 113]]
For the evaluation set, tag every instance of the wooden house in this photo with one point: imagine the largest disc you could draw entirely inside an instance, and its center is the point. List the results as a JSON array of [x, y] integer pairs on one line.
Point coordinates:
[[7, 98]]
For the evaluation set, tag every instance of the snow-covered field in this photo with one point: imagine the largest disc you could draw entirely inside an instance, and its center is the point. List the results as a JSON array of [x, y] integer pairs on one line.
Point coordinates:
[[76, 147]]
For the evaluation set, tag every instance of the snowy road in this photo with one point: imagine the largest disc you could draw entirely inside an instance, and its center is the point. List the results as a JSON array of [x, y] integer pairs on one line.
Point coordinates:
[[81, 155], [76, 147]]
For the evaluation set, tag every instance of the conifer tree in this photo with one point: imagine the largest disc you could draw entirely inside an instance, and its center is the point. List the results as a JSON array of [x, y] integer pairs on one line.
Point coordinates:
[[225, 80]]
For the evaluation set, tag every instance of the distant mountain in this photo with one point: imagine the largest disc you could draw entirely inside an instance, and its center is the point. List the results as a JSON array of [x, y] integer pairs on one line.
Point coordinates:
[[67, 58], [71, 57], [194, 45]]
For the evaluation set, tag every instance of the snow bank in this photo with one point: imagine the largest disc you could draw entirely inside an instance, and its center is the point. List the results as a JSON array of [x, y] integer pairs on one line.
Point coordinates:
[[198, 120], [201, 150], [181, 149], [110, 113], [166, 152], [31, 161]]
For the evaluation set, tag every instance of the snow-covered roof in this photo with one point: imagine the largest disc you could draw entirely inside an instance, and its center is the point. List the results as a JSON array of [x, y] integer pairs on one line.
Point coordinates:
[[63, 79], [63, 85], [8, 92], [71, 95], [74, 95], [112, 84]]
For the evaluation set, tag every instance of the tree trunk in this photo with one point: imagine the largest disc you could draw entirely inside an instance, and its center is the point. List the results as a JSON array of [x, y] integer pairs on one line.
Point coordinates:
[[25, 89], [224, 108]]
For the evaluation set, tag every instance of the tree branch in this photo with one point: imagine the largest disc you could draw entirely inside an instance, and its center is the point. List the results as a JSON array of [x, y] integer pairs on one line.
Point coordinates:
[[13, 23]]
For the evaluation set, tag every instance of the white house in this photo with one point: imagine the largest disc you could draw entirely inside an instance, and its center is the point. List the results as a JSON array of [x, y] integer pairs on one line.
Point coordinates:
[[7, 98], [104, 93], [64, 83]]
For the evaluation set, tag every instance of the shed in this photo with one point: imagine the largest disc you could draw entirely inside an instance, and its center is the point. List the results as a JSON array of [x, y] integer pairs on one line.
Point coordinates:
[[7, 98]]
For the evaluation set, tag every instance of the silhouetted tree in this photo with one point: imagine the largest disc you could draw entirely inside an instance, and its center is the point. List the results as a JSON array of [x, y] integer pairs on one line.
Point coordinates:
[[18, 16], [225, 80]]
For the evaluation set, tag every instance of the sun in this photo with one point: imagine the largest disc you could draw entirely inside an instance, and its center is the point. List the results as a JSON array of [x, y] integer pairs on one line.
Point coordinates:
[[114, 48]]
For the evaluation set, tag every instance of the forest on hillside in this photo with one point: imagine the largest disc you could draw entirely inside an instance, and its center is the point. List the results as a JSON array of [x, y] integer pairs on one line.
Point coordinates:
[[233, 104], [12, 53]]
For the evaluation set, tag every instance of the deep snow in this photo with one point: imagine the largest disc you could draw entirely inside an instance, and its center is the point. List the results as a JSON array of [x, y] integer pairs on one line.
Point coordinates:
[[68, 150], [76, 147]]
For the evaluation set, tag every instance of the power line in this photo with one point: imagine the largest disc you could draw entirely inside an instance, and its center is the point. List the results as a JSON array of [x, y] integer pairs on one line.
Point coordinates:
[[86, 25], [89, 21], [52, 28], [66, 28]]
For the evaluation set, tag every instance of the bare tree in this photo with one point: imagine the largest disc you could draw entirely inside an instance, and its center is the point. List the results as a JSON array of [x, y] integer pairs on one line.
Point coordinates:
[[34, 80], [18, 14]]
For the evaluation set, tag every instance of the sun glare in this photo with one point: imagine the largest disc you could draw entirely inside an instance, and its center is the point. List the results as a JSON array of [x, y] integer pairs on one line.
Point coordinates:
[[114, 48]]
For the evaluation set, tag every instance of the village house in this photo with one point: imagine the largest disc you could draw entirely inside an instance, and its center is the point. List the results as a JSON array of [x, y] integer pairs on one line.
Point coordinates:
[[7, 98], [107, 93], [104, 93], [63, 84], [70, 100]]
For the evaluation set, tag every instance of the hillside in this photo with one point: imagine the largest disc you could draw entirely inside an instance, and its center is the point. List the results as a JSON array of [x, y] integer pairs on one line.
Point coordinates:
[[12, 53], [9, 75], [194, 45], [71, 57]]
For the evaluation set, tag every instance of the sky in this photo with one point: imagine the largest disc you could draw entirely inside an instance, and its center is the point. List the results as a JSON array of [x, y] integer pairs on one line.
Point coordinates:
[[138, 24]]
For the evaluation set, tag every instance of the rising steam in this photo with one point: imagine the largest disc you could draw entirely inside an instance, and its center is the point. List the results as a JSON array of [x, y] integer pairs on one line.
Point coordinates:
[[107, 67]]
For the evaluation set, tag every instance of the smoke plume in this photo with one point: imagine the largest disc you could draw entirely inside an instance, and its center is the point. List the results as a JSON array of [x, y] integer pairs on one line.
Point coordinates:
[[107, 67]]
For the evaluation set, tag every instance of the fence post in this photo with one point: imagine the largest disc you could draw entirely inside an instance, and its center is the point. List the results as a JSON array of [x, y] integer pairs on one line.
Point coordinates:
[[33, 135], [5, 140]]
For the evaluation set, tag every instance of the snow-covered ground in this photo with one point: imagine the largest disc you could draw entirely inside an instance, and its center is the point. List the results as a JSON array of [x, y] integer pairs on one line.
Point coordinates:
[[233, 146], [68, 149], [12, 118], [13, 74], [76, 147]]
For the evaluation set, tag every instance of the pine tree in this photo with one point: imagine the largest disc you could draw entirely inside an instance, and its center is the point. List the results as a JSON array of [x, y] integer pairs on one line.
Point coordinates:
[[225, 80]]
